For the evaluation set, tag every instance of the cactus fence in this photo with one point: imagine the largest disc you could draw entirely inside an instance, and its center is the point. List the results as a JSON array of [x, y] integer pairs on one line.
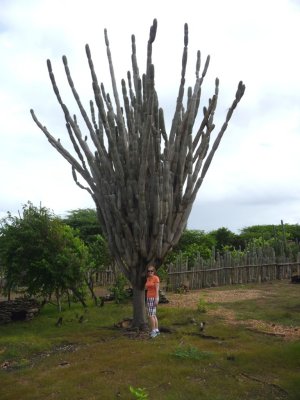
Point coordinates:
[[229, 271], [259, 265]]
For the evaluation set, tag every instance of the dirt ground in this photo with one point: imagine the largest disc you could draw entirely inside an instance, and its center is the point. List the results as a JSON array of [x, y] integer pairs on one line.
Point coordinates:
[[191, 300]]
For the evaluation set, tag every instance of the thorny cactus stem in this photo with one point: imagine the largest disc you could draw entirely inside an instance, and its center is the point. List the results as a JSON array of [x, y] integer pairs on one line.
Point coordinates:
[[143, 180]]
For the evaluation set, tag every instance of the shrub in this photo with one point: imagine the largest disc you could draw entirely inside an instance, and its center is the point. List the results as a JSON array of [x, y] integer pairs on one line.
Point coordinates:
[[118, 290], [202, 305]]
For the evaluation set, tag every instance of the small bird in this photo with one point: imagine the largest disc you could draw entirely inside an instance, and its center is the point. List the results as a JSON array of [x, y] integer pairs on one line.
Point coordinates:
[[201, 326], [80, 319], [101, 302], [59, 321], [230, 357]]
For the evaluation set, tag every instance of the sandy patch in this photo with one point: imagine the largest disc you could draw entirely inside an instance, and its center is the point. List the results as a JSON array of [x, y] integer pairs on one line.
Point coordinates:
[[191, 300]]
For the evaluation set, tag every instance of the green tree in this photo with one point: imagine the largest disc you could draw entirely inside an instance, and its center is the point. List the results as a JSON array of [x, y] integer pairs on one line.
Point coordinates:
[[87, 226], [85, 221], [293, 231], [284, 238], [225, 239], [265, 232], [42, 254], [191, 244]]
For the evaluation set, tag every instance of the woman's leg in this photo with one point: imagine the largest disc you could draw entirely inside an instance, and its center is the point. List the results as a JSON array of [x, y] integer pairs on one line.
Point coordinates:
[[155, 322], [152, 319], [152, 314]]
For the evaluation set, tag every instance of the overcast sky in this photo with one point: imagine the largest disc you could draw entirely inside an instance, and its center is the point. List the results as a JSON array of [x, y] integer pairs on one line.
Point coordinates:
[[254, 177]]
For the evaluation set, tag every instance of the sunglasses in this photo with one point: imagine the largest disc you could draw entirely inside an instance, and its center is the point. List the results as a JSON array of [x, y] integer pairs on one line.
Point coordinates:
[[150, 270]]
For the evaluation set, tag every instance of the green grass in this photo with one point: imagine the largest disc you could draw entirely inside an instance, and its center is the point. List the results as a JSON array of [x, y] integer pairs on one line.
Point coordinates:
[[94, 360], [279, 304], [191, 353]]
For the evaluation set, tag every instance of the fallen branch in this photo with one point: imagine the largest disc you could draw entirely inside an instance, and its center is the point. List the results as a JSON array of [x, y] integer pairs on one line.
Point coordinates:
[[254, 378], [266, 332]]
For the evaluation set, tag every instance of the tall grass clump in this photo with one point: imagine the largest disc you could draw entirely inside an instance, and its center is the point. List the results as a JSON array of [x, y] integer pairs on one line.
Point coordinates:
[[191, 353]]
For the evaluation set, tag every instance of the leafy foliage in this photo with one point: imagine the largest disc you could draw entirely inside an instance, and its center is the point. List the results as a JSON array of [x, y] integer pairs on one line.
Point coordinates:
[[226, 240], [283, 238], [87, 227], [192, 244], [139, 393], [202, 305], [41, 254], [118, 290], [99, 252], [86, 224]]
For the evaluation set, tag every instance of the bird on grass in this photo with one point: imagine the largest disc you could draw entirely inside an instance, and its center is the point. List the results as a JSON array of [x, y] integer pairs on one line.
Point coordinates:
[[101, 301], [80, 320], [201, 326], [59, 321]]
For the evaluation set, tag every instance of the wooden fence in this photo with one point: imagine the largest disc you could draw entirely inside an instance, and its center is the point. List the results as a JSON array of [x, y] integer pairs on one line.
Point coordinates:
[[259, 265], [251, 267], [106, 277]]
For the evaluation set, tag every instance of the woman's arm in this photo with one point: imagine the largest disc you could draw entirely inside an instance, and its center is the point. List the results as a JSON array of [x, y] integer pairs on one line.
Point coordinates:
[[157, 293]]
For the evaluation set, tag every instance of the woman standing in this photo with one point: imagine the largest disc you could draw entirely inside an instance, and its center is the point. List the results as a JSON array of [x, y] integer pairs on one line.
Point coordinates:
[[152, 287]]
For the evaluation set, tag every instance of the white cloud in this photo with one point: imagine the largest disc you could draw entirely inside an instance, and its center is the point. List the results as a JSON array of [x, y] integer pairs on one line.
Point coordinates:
[[253, 178]]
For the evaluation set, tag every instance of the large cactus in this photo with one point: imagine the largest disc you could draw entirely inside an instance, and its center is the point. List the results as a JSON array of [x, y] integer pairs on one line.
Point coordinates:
[[143, 180]]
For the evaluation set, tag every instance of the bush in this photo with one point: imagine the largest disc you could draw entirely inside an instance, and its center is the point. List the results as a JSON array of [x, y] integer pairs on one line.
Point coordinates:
[[202, 305], [118, 290]]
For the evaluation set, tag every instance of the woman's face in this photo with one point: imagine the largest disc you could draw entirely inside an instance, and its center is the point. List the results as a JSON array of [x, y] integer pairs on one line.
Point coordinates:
[[150, 271]]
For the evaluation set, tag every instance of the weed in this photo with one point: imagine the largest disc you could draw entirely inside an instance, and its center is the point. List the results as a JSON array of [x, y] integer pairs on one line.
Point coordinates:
[[139, 393], [202, 305], [192, 353]]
